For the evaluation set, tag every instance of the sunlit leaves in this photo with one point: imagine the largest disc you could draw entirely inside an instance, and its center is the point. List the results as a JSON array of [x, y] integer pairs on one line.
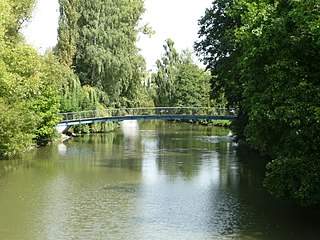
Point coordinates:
[[192, 85], [29, 85], [17, 126]]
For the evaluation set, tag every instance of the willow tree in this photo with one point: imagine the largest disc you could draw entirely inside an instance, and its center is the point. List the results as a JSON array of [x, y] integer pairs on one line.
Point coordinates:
[[68, 30], [74, 96], [106, 55]]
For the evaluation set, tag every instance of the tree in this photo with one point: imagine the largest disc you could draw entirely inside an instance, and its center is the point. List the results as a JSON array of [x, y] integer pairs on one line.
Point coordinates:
[[19, 13], [68, 30], [106, 55], [165, 76], [277, 47], [179, 81], [28, 88], [286, 98], [219, 49], [192, 84], [74, 97]]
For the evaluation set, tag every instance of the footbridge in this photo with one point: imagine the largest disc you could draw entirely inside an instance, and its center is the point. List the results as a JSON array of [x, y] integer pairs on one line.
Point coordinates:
[[147, 113]]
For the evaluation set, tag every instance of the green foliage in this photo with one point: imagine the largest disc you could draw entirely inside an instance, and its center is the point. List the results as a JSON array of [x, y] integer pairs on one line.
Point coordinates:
[[295, 179], [75, 97], [29, 85], [275, 54], [98, 40], [106, 55], [15, 13], [219, 50], [71, 92], [179, 81], [192, 84], [6, 9], [17, 128], [68, 30], [30, 80], [16, 84], [47, 106], [164, 77]]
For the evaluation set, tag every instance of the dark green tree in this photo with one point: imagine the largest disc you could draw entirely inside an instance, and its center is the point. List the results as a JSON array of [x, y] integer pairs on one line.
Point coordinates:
[[282, 94], [277, 85], [218, 49]]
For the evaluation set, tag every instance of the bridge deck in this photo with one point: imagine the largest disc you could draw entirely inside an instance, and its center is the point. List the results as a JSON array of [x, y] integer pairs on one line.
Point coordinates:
[[153, 113], [144, 117]]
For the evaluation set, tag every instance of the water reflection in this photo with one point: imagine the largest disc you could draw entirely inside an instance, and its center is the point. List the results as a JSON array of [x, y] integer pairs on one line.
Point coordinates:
[[145, 180], [130, 131], [62, 149], [182, 173]]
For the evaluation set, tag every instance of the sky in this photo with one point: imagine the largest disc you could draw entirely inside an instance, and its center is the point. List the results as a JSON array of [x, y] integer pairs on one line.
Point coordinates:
[[175, 19]]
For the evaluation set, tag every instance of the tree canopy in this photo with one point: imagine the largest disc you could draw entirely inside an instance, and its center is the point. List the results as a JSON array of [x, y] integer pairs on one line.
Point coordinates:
[[269, 69], [28, 85], [179, 81], [98, 38]]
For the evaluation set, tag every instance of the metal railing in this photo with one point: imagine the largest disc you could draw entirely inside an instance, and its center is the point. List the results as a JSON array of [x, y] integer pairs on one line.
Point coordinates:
[[147, 111]]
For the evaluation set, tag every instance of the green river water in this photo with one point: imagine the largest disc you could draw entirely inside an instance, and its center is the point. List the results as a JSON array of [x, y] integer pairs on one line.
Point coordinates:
[[146, 180]]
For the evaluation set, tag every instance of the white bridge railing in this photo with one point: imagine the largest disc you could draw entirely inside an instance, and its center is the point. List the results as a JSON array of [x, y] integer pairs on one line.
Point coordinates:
[[147, 111]]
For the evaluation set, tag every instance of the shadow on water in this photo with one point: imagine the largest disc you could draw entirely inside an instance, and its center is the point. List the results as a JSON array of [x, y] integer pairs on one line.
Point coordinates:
[[261, 215]]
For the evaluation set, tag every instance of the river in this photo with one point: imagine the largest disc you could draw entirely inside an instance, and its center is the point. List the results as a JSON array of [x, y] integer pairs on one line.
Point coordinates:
[[146, 180]]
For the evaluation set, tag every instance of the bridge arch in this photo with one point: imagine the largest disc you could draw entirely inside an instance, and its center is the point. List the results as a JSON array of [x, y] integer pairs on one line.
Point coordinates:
[[147, 113]]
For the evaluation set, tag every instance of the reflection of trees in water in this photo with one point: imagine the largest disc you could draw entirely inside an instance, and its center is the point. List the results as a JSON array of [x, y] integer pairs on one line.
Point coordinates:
[[253, 168], [112, 150], [243, 203], [35, 158], [241, 173], [123, 152], [183, 148]]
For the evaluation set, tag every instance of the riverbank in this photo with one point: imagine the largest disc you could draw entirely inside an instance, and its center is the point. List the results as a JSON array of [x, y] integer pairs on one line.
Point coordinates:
[[217, 123]]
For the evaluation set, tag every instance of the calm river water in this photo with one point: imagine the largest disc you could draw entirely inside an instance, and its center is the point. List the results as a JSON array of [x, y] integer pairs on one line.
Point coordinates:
[[147, 180]]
